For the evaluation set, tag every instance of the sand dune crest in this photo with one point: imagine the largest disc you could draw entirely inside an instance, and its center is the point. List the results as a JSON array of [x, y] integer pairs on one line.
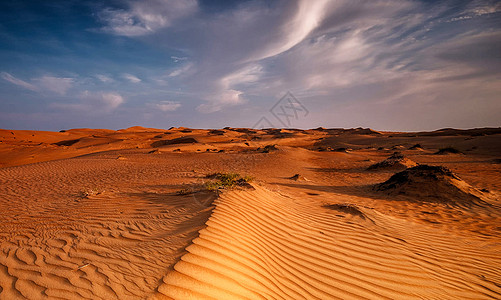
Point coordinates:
[[261, 245]]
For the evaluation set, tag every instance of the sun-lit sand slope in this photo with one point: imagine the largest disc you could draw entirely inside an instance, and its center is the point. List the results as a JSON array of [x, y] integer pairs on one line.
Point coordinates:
[[333, 213], [264, 245], [114, 243]]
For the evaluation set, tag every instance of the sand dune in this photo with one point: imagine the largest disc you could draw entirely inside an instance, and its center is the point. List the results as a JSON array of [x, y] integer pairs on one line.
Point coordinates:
[[435, 184], [68, 232], [396, 161], [264, 245], [126, 214]]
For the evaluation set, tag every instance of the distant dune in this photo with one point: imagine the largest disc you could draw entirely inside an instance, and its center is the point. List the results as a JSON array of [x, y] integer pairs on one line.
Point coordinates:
[[238, 213]]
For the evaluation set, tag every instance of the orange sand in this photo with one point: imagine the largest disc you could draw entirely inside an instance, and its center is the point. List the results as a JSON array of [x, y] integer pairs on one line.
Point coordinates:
[[102, 214]]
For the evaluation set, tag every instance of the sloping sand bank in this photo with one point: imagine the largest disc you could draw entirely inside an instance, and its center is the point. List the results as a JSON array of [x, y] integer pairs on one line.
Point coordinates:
[[264, 245], [73, 229]]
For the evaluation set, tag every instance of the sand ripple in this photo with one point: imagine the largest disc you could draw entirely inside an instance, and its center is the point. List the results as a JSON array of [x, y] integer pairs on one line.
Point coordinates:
[[264, 245]]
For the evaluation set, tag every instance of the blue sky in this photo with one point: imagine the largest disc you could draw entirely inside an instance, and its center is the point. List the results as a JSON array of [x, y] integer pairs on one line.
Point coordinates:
[[388, 65]]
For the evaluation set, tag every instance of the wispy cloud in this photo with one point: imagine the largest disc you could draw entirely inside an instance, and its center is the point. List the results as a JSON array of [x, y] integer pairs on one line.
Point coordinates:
[[480, 8], [305, 18], [167, 105], [104, 78], [227, 90], [182, 70], [217, 102], [58, 85], [8, 77], [92, 102], [475, 9], [178, 59], [131, 78], [145, 17], [109, 100]]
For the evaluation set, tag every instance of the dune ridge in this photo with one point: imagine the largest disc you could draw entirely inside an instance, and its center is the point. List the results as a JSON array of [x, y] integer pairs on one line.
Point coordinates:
[[264, 245], [395, 162]]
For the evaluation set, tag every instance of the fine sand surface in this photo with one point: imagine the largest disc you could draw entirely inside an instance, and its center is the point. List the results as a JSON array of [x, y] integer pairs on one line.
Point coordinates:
[[102, 214]]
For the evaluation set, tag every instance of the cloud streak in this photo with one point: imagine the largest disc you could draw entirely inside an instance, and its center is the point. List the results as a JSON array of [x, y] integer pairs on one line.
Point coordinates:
[[92, 103], [166, 106], [16, 81], [58, 85], [131, 78], [104, 78], [145, 17], [51, 84]]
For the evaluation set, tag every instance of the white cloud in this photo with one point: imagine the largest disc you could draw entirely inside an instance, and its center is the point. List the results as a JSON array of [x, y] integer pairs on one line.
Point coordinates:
[[104, 78], [182, 70], [167, 105], [230, 97], [178, 59], [92, 102], [227, 93], [307, 17], [248, 74], [145, 17], [221, 100], [109, 100], [475, 9], [58, 85], [131, 78], [480, 8], [8, 77]]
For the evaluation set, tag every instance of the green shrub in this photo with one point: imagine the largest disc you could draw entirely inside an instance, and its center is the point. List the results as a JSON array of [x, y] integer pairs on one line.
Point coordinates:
[[226, 181]]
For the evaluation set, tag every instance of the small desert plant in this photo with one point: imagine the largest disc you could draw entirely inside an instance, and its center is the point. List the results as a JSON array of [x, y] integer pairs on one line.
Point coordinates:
[[267, 148], [185, 191], [90, 192], [226, 181], [248, 178], [270, 148], [346, 208]]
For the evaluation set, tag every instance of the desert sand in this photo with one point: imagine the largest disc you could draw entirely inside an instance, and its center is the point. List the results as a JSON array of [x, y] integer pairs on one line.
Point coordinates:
[[324, 214]]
